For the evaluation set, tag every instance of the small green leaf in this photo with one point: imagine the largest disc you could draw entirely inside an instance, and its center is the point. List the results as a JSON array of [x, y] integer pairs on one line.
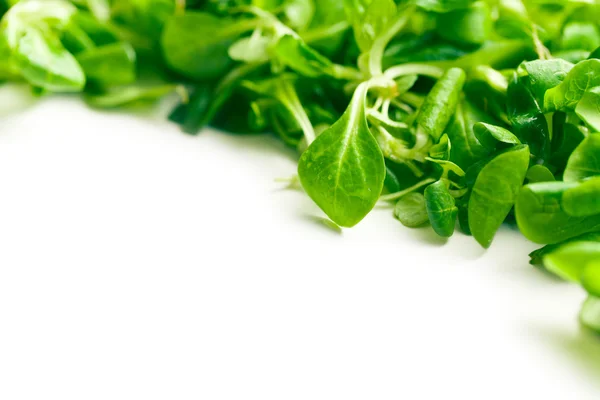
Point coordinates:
[[343, 169], [250, 49], [588, 108], [542, 75], [538, 255], [466, 149], [568, 261], [527, 120], [584, 199], [411, 210], [469, 25], [441, 208], [541, 217], [590, 313], [495, 192], [113, 64], [45, 63], [196, 44], [584, 162], [539, 173], [490, 135], [584, 76], [293, 52], [590, 278], [440, 104], [441, 150]]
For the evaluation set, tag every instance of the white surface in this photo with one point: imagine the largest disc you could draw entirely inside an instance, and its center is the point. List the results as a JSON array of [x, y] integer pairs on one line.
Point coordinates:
[[140, 263]]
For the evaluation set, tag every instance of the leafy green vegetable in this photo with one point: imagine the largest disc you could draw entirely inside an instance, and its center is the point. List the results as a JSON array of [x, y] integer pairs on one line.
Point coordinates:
[[584, 199], [495, 192], [440, 104], [470, 25], [538, 255], [528, 121], [588, 108], [570, 260], [441, 208], [450, 105], [590, 278], [490, 135], [343, 169], [590, 313], [584, 161], [196, 44], [584, 76], [539, 173], [541, 217], [411, 210]]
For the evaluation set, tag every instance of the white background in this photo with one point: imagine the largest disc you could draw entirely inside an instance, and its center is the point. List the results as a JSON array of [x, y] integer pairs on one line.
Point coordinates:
[[137, 262]]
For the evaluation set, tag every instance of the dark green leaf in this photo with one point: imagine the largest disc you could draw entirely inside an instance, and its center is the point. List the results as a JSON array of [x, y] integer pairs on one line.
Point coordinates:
[[441, 208], [440, 104]]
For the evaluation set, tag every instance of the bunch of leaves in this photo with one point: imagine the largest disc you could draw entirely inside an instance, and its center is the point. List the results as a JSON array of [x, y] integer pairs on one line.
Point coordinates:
[[461, 113]]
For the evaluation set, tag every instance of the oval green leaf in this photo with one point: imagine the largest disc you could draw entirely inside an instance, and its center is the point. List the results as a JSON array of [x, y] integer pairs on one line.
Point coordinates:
[[343, 169], [495, 191]]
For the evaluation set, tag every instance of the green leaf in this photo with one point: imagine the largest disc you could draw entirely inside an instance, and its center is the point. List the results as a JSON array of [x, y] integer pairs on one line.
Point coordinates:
[[469, 26], [45, 63], [528, 121], [590, 278], [568, 261], [584, 161], [538, 255], [369, 20], [250, 49], [440, 104], [583, 200], [343, 169], [491, 135], [580, 35], [113, 64], [584, 76], [495, 191], [466, 147], [196, 44], [441, 150], [588, 108], [411, 210], [299, 13], [441, 208], [542, 75], [590, 313], [541, 217], [539, 173], [294, 53]]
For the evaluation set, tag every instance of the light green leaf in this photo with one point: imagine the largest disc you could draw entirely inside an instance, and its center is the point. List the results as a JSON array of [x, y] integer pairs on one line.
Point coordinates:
[[343, 169]]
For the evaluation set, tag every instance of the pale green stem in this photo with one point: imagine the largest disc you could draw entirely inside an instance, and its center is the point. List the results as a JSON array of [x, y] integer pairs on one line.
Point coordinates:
[[414, 69], [380, 44], [397, 195]]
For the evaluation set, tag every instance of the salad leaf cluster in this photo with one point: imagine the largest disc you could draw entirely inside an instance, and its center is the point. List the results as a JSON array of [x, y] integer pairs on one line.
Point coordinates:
[[465, 114]]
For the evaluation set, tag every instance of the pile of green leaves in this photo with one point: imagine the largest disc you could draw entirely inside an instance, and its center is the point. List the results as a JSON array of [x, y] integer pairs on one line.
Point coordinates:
[[463, 113]]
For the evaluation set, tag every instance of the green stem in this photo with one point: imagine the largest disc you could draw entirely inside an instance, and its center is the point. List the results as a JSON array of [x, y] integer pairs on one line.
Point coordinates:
[[397, 195], [380, 44], [414, 69]]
